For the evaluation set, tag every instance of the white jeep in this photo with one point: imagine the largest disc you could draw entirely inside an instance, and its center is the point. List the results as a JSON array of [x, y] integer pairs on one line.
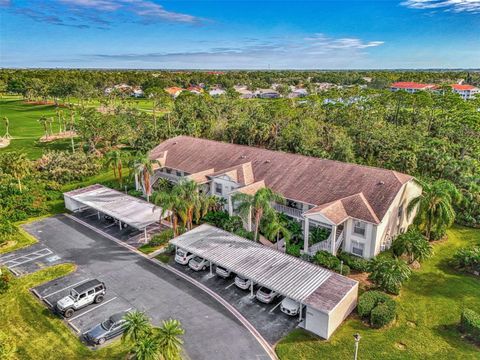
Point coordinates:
[[89, 292]]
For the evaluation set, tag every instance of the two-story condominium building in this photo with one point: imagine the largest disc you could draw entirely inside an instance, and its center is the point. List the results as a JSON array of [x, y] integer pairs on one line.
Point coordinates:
[[467, 92], [411, 87], [362, 208]]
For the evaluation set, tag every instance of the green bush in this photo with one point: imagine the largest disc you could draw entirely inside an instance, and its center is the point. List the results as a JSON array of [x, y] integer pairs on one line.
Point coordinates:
[[467, 259], [470, 324], [389, 274], [378, 307], [325, 259], [353, 262], [244, 233], [294, 249], [317, 235], [381, 315], [224, 221], [345, 269], [162, 238], [5, 280]]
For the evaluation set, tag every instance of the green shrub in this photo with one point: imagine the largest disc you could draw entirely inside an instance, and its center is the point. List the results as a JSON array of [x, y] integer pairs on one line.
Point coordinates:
[[325, 259], [224, 221], [162, 238], [381, 315], [378, 307], [389, 274], [342, 269], [244, 233], [294, 249], [318, 234], [5, 280], [353, 262], [470, 324], [467, 259]]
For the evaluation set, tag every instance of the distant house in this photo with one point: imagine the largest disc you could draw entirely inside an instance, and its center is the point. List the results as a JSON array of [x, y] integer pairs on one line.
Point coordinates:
[[244, 92], [137, 92], [298, 93], [467, 92], [194, 89], [125, 89], [174, 91], [216, 91], [411, 87], [267, 94]]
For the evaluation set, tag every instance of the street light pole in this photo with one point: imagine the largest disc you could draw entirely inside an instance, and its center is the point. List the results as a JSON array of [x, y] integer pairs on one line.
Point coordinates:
[[357, 338]]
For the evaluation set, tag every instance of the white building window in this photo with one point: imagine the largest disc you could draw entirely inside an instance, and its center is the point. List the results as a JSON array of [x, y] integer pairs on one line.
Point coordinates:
[[357, 248], [359, 228], [218, 189], [179, 173]]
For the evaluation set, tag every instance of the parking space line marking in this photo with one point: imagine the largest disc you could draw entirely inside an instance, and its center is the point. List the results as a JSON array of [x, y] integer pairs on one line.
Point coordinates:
[[48, 303], [29, 259], [27, 255], [256, 334], [89, 310], [74, 328], [56, 292], [272, 309], [233, 283]]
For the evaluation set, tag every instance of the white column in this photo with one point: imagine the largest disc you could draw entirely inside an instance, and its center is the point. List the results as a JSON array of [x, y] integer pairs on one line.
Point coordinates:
[[211, 269], [145, 233], [230, 205], [251, 290], [300, 312], [137, 185], [306, 232], [249, 220], [333, 236], [120, 224]]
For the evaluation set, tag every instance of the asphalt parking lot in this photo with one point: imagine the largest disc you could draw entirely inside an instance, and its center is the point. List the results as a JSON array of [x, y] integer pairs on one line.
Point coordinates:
[[272, 323], [211, 331]]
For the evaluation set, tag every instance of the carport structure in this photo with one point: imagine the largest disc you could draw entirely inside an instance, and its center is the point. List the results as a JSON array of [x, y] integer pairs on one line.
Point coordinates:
[[124, 208], [329, 297]]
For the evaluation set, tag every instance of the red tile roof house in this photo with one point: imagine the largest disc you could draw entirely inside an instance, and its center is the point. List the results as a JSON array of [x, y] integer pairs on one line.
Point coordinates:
[[411, 87], [362, 207], [465, 91]]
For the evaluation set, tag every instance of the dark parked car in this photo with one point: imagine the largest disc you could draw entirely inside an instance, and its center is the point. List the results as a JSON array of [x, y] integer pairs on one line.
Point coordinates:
[[106, 330]]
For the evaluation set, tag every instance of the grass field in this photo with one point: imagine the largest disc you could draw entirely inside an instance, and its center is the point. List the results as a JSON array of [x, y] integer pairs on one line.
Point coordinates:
[[36, 331], [429, 311]]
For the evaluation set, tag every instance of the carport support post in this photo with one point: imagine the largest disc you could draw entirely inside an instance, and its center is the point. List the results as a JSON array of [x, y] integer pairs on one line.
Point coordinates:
[[145, 233], [300, 312], [120, 224], [211, 269], [98, 215], [251, 290]]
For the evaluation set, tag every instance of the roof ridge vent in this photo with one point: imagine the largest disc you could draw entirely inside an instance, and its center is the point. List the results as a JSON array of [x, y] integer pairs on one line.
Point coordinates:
[[381, 182], [243, 157], [268, 161]]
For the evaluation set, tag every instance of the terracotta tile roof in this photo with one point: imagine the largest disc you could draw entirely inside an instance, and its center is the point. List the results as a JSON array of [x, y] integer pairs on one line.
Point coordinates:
[[173, 90], [411, 85], [463, 87], [310, 180]]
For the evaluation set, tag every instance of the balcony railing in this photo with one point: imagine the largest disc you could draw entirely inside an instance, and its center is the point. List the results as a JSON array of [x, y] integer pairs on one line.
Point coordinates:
[[326, 245], [170, 177], [287, 210]]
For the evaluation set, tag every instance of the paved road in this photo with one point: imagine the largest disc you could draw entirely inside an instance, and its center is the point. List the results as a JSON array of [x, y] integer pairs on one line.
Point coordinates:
[[212, 332]]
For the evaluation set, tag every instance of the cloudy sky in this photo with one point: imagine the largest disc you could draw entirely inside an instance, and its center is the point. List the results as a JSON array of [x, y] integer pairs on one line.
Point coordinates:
[[240, 34]]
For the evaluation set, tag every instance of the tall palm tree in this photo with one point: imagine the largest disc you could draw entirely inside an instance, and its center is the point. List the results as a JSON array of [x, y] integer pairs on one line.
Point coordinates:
[[143, 168], [115, 160], [7, 126], [274, 227], [435, 207], [169, 339], [136, 327], [170, 202], [257, 205], [44, 121]]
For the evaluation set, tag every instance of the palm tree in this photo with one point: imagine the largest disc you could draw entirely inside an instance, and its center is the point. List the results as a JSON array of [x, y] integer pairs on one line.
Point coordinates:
[[257, 205], [413, 244], [274, 227], [389, 274], [143, 168], [170, 202], [435, 207], [44, 121], [115, 160], [136, 327], [7, 125], [147, 348], [169, 339]]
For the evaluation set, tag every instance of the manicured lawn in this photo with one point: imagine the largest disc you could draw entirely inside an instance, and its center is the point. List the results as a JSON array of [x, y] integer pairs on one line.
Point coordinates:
[[36, 332], [25, 128], [429, 311]]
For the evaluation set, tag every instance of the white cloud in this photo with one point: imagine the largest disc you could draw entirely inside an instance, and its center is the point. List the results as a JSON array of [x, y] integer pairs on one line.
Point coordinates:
[[146, 9], [456, 6]]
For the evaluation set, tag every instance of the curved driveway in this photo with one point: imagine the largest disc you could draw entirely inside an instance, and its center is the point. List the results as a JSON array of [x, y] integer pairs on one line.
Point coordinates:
[[211, 331]]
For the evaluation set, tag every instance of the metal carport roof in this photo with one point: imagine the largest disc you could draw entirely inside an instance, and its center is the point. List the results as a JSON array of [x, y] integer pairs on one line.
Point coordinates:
[[128, 209], [285, 274]]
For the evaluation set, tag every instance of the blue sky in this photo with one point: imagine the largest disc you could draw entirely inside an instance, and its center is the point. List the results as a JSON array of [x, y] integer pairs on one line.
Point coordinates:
[[240, 34]]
